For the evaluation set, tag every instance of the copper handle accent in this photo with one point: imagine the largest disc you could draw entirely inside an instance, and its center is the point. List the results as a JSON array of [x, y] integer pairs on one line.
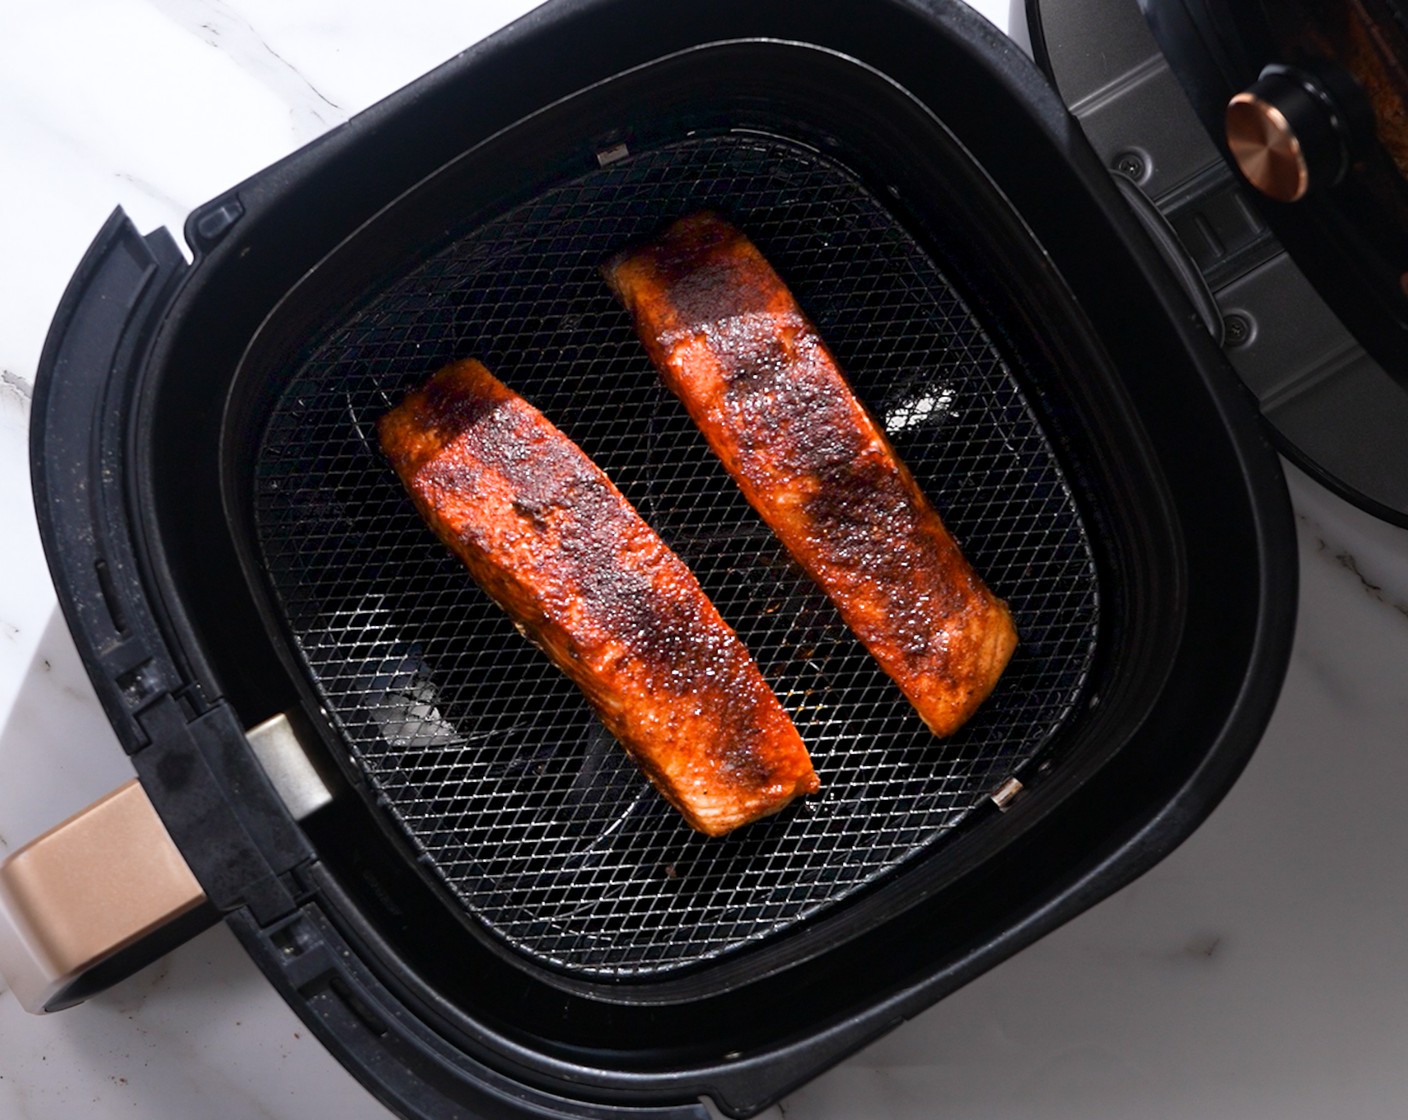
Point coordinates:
[[86, 890], [1266, 148]]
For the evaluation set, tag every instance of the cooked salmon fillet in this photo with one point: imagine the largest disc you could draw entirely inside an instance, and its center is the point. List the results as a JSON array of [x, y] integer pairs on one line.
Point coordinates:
[[731, 342], [547, 535]]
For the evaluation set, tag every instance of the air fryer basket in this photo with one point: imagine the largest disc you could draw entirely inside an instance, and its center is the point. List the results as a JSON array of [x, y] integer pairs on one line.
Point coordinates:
[[458, 731], [501, 776], [493, 901]]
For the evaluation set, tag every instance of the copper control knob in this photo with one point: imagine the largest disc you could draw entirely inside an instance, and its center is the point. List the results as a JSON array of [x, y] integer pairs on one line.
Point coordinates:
[[1287, 135]]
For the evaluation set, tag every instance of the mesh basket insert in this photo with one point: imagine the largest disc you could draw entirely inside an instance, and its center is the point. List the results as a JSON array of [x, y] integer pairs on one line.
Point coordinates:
[[478, 749]]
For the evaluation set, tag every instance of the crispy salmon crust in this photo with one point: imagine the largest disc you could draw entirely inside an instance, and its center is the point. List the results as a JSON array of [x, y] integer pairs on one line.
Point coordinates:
[[545, 533], [730, 341]]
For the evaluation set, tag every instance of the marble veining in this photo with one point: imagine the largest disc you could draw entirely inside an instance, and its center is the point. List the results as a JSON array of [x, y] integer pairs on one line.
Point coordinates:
[[1258, 973], [16, 390], [1349, 563], [1369, 551], [225, 29]]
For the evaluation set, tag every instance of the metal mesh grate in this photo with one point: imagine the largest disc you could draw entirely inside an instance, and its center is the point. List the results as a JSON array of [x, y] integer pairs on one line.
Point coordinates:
[[479, 748]]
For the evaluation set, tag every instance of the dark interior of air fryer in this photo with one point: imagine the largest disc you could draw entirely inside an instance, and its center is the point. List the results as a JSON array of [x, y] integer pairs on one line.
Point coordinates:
[[491, 838]]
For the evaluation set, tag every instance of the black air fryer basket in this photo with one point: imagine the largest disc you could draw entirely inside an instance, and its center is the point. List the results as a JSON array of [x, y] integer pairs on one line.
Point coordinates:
[[494, 912]]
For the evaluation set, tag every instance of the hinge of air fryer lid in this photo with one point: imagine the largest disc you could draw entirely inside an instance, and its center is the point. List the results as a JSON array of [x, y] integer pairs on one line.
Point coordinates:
[[1104, 62], [1175, 255], [221, 808]]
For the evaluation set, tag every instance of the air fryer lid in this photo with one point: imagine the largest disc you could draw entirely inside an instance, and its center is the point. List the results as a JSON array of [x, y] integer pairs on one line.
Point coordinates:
[[1314, 95], [1076, 342], [1307, 268]]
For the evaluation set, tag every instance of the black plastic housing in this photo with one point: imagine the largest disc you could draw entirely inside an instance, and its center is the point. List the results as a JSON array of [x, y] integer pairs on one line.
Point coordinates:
[[156, 376], [1347, 236]]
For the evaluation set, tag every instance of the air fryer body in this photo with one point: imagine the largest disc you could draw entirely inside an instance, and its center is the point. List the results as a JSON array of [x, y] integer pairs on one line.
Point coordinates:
[[162, 381]]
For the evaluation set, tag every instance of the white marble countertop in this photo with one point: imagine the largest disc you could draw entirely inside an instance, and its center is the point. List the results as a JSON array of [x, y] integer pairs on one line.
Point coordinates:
[[1259, 972]]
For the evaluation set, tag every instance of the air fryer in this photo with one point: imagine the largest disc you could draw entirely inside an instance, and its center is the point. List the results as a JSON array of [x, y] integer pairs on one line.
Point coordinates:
[[411, 821]]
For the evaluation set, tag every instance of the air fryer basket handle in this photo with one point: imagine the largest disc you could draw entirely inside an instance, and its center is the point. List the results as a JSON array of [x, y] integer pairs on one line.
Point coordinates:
[[94, 899]]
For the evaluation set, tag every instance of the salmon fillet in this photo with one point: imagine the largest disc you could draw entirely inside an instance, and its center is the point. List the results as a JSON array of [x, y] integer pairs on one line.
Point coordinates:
[[731, 342], [545, 533]]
